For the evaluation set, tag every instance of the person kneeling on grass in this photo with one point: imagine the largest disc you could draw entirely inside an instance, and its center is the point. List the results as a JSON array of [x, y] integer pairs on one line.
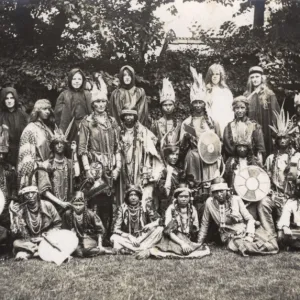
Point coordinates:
[[181, 230], [236, 224], [30, 220], [88, 227], [135, 229]]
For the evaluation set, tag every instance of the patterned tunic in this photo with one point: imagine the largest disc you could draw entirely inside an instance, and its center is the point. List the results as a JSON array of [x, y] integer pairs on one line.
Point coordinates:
[[253, 131], [58, 178], [163, 126], [100, 141], [132, 221], [138, 152], [34, 147], [235, 222]]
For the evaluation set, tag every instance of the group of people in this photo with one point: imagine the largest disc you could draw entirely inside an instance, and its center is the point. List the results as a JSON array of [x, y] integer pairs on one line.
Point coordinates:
[[126, 184]]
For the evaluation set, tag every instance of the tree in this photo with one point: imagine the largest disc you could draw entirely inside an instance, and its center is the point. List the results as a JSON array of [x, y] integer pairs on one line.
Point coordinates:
[[42, 39], [62, 28], [275, 49]]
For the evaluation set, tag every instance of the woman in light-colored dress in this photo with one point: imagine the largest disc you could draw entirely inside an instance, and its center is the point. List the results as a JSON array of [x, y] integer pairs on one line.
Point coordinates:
[[218, 96]]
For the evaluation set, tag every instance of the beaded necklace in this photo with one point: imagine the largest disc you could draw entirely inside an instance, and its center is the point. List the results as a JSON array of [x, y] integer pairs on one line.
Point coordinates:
[[174, 124], [133, 216], [132, 160], [97, 121], [35, 222], [184, 225]]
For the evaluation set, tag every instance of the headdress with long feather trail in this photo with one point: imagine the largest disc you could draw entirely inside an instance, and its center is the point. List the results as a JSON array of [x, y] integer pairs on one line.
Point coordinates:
[[283, 124], [198, 91]]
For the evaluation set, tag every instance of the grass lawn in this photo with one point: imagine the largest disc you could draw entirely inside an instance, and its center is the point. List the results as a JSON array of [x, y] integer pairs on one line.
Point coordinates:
[[223, 275]]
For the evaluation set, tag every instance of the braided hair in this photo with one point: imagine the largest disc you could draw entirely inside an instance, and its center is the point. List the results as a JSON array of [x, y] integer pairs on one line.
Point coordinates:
[[189, 213], [70, 218], [207, 119]]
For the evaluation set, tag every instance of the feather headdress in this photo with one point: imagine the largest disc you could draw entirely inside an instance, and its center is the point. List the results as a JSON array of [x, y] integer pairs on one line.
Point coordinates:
[[283, 124], [198, 91], [167, 92], [59, 136], [99, 91]]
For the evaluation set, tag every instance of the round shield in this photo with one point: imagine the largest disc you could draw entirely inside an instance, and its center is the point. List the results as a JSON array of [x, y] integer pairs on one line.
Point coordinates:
[[2, 201], [252, 184], [209, 147], [58, 245]]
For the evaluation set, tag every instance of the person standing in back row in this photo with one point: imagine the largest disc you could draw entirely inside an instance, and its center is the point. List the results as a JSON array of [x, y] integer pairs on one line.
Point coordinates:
[[129, 96], [73, 105], [262, 103]]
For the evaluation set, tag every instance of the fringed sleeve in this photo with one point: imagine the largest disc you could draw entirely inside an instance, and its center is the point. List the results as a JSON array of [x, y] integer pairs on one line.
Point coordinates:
[[116, 105], [258, 139], [27, 154], [84, 135]]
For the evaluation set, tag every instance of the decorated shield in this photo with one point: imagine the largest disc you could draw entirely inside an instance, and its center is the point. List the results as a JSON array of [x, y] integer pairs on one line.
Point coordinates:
[[58, 245], [2, 201], [209, 147], [252, 184]]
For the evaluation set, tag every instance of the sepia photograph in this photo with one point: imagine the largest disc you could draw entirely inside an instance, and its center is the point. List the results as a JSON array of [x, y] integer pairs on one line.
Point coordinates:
[[149, 149]]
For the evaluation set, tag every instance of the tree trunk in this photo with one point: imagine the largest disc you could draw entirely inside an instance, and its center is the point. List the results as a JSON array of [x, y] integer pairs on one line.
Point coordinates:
[[24, 22], [52, 37], [259, 13]]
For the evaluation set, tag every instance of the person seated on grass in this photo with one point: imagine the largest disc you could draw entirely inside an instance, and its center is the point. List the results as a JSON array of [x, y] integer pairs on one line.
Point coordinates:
[[289, 222], [135, 229], [236, 224], [87, 225], [30, 219], [181, 230]]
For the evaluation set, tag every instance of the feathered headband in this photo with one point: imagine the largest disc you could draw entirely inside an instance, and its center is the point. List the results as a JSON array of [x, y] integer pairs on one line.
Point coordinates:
[[78, 197], [99, 91], [283, 124], [198, 91], [167, 92], [59, 136]]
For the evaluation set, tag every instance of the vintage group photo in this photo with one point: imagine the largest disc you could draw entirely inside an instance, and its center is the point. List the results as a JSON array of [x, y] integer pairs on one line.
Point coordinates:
[[149, 149]]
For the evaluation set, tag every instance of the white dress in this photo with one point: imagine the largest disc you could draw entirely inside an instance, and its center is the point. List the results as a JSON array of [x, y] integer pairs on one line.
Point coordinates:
[[219, 106]]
